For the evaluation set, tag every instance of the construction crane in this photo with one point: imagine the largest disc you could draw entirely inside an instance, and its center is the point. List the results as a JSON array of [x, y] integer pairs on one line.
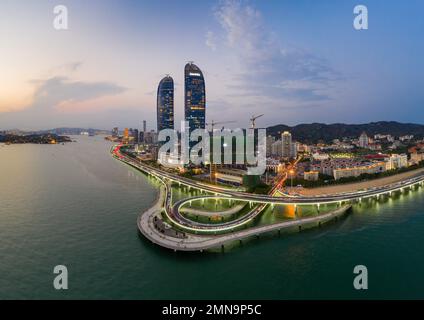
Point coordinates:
[[253, 119], [213, 123]]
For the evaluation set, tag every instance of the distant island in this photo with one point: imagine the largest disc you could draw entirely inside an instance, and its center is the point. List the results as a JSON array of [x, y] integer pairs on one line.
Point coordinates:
[[50, 136], [58, 131], [75, 131], [34, 138]]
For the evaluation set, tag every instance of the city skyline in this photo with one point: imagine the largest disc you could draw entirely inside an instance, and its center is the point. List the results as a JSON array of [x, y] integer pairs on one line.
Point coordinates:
[[206, 157], [253, 55]]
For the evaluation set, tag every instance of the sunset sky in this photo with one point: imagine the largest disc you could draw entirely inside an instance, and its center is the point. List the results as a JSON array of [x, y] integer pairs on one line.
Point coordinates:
[[295, 61]]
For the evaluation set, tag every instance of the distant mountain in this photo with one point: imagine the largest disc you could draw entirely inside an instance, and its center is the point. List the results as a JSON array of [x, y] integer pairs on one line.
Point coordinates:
[[312, 133], [72, 131]]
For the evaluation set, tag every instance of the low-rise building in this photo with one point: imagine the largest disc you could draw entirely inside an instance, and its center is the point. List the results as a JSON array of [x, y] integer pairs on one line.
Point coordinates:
[[230, 176], [328, 166], [320, 156], [375, 146], [396, 144], [273, 165], [417, 157], [370, 168], [397, 161], [408, 137], [311, 175]]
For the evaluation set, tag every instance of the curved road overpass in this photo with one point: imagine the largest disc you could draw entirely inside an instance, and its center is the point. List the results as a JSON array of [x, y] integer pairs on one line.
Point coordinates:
[[194, 242]]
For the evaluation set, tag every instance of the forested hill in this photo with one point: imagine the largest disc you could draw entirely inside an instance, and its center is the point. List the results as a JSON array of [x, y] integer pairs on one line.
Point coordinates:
[[313, 132]]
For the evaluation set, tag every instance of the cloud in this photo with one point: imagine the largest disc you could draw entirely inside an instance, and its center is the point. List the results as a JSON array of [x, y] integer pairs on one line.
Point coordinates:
[[54, 91], [74, 66], [59, 101], [210, 40], [270, 69], [64, 69]]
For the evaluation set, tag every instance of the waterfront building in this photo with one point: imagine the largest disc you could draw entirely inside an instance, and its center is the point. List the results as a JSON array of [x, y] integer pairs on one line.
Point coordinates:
[[194, 97], [356, 171], [397, 161], [328, 166], [417, 157], [165, 104], [417, 153]]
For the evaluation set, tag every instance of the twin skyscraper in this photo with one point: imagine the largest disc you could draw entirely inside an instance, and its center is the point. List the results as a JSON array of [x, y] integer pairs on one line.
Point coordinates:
[[194, 99]]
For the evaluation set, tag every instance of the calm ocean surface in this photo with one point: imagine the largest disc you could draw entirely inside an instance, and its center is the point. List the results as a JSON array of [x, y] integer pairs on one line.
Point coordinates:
[[74, 205]]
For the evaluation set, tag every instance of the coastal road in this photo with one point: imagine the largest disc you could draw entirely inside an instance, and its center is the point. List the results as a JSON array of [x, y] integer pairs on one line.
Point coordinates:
[[269, 199], [194, 242]]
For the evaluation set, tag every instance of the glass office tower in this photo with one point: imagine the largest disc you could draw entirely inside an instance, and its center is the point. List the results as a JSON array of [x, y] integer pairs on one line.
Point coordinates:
[[195, 97], [165, 104]]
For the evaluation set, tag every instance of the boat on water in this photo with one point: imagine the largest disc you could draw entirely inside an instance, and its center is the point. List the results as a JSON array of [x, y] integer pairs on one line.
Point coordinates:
[[87, 133]]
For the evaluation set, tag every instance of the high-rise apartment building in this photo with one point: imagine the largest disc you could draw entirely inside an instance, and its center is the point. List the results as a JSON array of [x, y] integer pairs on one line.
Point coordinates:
[[287, 148], [363, 140]]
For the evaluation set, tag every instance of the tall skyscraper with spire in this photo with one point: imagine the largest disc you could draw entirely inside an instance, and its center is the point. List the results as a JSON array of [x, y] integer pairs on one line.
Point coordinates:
[[195, 97], [165, 104]]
